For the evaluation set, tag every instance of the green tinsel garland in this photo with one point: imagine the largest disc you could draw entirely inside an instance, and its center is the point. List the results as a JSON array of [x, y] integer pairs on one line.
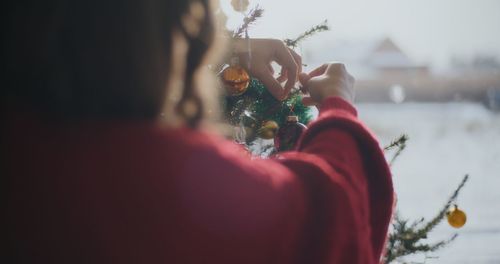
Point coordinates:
[[257, 105]]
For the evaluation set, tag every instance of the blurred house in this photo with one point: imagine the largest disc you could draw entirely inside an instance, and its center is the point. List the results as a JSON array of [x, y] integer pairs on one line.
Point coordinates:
[[385, 73], [389, 61], [393, 75]]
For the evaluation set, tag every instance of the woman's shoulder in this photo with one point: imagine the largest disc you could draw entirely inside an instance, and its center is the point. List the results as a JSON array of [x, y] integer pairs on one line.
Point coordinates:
[[208, 153], [221, 186]]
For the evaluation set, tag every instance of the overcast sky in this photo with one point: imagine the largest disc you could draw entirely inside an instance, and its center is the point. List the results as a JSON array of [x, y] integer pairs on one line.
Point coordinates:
[[428, 30]]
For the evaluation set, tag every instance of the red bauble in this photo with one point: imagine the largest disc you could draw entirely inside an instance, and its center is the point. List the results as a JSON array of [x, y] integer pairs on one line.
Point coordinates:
[[289, 134]]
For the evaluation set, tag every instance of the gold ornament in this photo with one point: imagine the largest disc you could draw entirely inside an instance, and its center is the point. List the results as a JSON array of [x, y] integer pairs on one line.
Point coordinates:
[[240, 5], [268, 129], [456, 217], [235, 79]]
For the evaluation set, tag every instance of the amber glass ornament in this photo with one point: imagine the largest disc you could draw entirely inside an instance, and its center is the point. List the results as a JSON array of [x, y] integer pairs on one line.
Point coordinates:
[[289, 134], [456, 217], [235, 79], [268, 129]]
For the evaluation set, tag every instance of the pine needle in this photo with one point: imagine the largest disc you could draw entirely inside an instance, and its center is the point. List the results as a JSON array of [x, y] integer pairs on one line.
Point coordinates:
[[401, 140], [293, 43], [400, 144], [250, 19]]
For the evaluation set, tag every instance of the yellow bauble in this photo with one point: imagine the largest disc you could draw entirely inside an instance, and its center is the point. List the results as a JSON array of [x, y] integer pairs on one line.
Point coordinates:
[[456, 217], [268, 129], [235, 79]]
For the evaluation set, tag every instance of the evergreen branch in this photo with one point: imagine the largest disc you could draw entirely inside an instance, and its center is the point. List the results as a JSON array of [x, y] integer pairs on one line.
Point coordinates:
[[292, 43], [400, 144], [440, 216], [262, 106], [404, 238], [252, 16], [402, 251], [401, 140]]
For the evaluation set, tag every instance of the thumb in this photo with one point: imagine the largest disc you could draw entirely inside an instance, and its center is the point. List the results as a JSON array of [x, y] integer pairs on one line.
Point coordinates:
[[304, 78]]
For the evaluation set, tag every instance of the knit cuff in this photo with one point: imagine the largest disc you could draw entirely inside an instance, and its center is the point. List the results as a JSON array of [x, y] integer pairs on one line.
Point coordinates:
[[337, 103]]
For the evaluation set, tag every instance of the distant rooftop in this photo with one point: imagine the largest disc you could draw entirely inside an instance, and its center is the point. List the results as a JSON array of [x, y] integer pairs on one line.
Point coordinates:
[[387, 55], [364, 58]]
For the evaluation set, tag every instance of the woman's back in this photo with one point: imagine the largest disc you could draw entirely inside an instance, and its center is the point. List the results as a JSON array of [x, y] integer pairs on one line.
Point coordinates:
[[92, 177], [133, 192]]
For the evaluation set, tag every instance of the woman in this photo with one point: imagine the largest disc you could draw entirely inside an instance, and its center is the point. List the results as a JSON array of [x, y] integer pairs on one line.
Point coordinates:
[[93, 174]]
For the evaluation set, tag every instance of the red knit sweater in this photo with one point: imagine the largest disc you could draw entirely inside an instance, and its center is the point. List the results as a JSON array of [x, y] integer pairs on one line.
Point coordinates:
[[131, 192]]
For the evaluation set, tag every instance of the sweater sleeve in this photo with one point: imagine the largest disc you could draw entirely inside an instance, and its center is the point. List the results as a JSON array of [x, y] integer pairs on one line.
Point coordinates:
[[347, 184]]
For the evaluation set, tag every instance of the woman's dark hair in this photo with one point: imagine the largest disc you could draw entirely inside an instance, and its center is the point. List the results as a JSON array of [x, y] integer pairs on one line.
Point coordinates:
[[98, 58]]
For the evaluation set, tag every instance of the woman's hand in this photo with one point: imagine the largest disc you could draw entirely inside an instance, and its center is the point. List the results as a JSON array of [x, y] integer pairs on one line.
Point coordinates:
[[262, 53], [330, 79]]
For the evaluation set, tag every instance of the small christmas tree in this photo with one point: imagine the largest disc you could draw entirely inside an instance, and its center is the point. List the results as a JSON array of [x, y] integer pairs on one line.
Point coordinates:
[[257, 115], [251, 107]]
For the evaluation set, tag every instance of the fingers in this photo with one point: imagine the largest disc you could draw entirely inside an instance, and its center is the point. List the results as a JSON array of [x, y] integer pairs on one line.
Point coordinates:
[[304, 78], [284, 70], [270, 69], [286, 60], [319, 71], [297, 58], [327, 68], [283, 75], [273, 86], [264, 52]]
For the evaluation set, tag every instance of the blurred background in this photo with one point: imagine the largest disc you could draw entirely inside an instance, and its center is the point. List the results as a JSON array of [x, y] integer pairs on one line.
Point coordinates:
[[428, 69]]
